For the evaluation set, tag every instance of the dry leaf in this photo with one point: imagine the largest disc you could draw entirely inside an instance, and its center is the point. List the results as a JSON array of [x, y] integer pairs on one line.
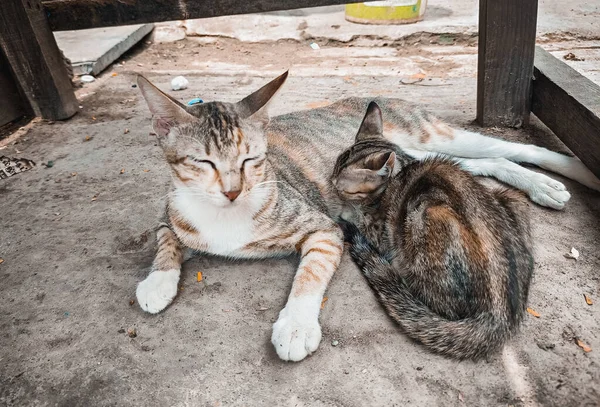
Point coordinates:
[[88, 138], [323, 302], [1, 260], [126, 131], [588, 300], [583, 345], [199, 276], [146, 170], [573, 254], [122, 171], [73, 174], [532, 312], [420, 75], [114, 74], [131, 302], [93, 117]]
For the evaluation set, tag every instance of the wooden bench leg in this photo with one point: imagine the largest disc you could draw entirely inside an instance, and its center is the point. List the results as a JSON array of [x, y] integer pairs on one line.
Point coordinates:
[[505, 64], [34, 57]]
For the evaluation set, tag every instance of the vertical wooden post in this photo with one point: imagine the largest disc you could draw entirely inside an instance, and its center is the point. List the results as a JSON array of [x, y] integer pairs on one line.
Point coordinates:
[[505, 64], [35, 60]]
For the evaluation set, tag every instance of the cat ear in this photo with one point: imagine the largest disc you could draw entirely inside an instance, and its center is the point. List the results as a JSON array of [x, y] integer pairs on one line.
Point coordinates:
[[372, 124], [383, 163], [388, 167], [252, 105], [166, 111]]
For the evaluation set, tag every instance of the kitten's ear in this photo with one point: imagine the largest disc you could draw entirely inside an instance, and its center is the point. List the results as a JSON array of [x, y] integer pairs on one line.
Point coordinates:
[[383, 163], [255, 102], [166, 111], [372, 124]]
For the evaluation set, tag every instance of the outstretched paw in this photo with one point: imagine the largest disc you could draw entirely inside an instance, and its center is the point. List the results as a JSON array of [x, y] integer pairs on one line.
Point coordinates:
[[549, 192], [157, 290], [295, 336]]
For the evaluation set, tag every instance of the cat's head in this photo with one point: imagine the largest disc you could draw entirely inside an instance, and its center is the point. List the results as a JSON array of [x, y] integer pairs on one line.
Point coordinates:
[[362, 171], [216, 150]]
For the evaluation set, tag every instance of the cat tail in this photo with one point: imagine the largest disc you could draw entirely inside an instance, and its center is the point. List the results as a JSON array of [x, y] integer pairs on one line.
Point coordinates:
[[469, 338]]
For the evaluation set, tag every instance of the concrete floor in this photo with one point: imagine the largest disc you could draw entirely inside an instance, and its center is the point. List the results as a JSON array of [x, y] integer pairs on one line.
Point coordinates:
[[77, 237]]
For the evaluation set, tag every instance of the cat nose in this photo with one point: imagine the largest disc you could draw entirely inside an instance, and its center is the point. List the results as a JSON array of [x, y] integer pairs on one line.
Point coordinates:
[[232, 195]]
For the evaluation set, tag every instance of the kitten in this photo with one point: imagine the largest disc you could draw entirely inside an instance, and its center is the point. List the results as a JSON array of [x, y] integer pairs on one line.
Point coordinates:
[[449, 259], [246, 186]]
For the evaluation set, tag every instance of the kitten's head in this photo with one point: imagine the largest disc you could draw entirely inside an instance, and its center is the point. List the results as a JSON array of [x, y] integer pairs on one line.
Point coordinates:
[[217, 150], [363, 170]]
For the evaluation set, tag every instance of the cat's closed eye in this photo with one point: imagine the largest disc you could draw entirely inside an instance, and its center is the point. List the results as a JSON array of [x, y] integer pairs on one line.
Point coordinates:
[[255, 161], [202, 161]]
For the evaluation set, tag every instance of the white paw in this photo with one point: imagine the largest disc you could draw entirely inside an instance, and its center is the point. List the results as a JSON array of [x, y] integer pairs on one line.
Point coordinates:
[[549, 192], [157, 290], [295, 336]]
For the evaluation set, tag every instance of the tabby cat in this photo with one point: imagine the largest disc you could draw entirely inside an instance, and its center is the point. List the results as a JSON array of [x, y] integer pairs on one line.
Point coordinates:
[[450, 260], [245, 186]]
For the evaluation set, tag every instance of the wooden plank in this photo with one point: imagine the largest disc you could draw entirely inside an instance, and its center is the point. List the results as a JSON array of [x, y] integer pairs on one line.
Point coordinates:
[[12, 106], [569, 104], [35, 59], [505, 61], [79, 14], [109, 44]]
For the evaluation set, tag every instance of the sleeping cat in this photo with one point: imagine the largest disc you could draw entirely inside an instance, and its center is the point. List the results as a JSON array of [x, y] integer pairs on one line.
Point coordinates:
[[449, 259], [246, 186]]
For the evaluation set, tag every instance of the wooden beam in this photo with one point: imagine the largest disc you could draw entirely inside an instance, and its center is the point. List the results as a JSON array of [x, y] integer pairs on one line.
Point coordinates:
[[78, 14], [12, 105], [505, 62], [35, 59], [569, 104]]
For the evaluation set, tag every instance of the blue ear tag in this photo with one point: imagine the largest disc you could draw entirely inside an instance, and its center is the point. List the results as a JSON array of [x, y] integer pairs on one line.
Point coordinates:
[[195, 101]]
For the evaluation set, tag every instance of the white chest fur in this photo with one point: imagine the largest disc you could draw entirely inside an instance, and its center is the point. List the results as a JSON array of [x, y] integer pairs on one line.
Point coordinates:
[[225, 230]]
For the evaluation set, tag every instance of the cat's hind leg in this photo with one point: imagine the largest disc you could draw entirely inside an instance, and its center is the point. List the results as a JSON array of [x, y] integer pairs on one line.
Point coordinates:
[[160, 287], [541, 189], [468, 144]]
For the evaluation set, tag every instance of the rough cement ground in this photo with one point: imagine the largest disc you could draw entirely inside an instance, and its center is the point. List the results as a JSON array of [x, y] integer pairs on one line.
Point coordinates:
[[77, 237]]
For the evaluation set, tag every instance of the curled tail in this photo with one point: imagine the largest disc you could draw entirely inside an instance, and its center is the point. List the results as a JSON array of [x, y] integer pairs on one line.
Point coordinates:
[[468, 338]]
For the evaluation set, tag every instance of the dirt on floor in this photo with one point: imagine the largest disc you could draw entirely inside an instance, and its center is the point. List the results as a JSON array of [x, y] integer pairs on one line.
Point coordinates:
[[76, 236]]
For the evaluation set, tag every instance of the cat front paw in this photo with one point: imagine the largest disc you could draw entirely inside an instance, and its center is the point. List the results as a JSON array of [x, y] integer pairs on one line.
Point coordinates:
[[549, 192], [295, 336], [157, 290]]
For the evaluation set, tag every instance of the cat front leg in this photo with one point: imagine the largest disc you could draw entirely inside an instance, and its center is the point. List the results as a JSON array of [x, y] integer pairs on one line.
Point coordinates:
[[297, 332], [160, 287]]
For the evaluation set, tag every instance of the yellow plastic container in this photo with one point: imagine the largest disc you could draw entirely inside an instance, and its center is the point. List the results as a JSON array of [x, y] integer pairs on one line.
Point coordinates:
[[386, 12]]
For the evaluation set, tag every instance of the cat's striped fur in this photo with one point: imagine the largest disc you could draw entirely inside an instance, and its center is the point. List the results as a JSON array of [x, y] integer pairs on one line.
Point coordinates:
[[247, 187], [449, 259]]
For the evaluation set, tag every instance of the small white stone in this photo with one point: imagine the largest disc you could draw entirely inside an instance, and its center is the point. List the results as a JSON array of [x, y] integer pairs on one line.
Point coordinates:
[[314, 45], [87, 78], [179, 83], [574, 254]]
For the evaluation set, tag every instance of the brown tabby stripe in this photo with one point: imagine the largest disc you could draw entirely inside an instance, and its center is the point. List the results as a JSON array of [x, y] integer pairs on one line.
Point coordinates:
[[182, 224], [320, 250], [308, 275], [239, 139], [181, 177], [443, 129], [271, 199], [329, 243], [276, 140], [169, 254]]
